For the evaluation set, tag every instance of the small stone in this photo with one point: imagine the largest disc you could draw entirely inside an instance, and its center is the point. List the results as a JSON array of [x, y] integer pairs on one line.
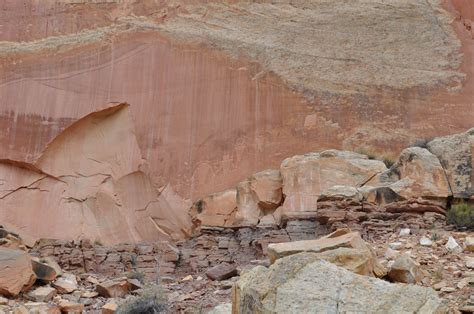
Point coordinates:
[[439, 285], [469, 262], [71, 307], [92, 280], [67, 283], [395, 245], [187, 278], [42, 294], [404, 232], [43, 271], [89, 294], [465, 282], [114, 288], [424, 241], [3, 301], [222, 271], [199, 278], [453, 246], [109, 308], [391, 254], [448, 289], [469, 244], [405, 270]]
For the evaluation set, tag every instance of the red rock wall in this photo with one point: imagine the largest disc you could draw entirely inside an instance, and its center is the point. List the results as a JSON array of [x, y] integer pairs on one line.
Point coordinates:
[[204, 120]]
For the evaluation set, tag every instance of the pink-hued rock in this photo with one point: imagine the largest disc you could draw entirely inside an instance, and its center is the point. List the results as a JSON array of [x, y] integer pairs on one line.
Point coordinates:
[[90, 181], [216, 210], [207, 119], [305, 177], [416, 174], [16, 273]]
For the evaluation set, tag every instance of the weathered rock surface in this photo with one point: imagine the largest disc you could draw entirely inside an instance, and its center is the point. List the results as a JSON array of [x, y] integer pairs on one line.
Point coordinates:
[[44, 271], [16, 273], [42, 294], [305, 177], [416, 174], [85, 189], [209, 120], [343, 248], [455, 153], [405, 270], [222, 272], [305, 279]]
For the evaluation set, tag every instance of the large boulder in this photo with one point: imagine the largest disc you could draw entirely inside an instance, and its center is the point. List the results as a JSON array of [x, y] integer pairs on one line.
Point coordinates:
[[343, 248], [305, 177], [215, 210], [16, 272], [302, 283], [455, 153], [417, 173]]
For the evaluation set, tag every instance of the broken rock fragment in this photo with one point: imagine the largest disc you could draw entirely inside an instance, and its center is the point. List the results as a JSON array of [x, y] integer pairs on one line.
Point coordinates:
[[16, 272], [405, 270], [222, 272], [67, 283], [301, 283], [117, 288], [42, 294], [43, 271]]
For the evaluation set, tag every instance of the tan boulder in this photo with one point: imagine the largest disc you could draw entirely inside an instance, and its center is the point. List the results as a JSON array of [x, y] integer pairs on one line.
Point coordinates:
[[71, 307], [109, 308], [405, 270], [117, 288], [67, 283], [416, 174], [16, 272], [456, 154], [469, 243], [268, 188], [42, 294], [247, 211], [342, 247], [215, 210], [305, 177], [303, 283]]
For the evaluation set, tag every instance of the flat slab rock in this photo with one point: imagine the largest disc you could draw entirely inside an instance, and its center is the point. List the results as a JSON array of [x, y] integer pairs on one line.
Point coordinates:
[[222, 272], [301, 283]]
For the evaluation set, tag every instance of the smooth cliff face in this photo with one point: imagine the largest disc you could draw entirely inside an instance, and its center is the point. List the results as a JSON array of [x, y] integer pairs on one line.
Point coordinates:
[[207, 116]]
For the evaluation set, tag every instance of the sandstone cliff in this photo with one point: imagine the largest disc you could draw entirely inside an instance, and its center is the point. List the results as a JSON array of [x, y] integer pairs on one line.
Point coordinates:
[[222, 89]]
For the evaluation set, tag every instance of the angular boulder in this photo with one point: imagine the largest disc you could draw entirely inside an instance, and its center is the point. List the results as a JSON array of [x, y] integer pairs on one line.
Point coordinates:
[[405, 270], [417, 173], [67, 283], [43, 271], [216, 210], [16, 272], [302, 283], [456, 154], [342, 247], [117, 288], [305, 177], [42, 294], [222, 272]]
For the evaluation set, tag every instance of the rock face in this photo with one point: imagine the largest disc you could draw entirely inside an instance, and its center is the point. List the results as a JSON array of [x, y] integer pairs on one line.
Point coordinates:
[[300, 283], [88, 190], [456, 153], [206, 116], [417, 173], [306, 177], [347, 250], [16, 273]]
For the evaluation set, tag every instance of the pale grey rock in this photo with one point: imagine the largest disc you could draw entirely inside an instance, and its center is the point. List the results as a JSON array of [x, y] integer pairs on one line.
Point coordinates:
[[302, 283]]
